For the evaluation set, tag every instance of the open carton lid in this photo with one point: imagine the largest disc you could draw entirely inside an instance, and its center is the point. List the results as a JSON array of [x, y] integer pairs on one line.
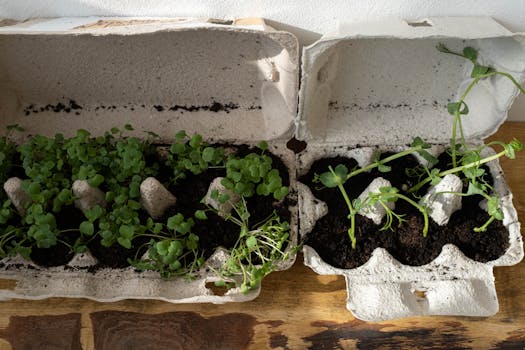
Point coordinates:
[[386, 83], [230, 81]]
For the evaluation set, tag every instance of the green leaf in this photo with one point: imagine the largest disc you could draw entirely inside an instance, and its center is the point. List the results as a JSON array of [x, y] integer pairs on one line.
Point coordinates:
[[251, 242], [220, 283], [493, 208], [227, 183], [178, 148], [96, 181], [195, 141], [475, 189], [87, 228], [512, 147], [454, 107], [175, 220], [115, 130], [185, 227], [157, 228], [201, 215], [94, 213], [64, 196], [34, 188], [329, 180], [263, 145], [126, 231], [281, 193], [208, 154], [342, 171], [128, 127], [214, 194], [126, 243], [419, 142], [79, 249], [434, 176], [428, 157], [180, 135], [470, 53], [384, 168], [479, 71]]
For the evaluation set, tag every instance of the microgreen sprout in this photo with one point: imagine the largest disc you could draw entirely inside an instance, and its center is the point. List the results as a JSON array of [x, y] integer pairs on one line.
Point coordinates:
[[254, 174], [467, 160], [191, 154], [173, 248], [340, 175], [118, 165], [257, 249], [261, 245]]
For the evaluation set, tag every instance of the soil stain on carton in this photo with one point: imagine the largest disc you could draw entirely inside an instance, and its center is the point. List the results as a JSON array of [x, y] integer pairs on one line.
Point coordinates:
[[175, 330], [43, 332]]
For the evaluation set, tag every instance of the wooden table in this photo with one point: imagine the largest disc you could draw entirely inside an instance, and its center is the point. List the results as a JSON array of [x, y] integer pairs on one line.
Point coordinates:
[[297, 309]]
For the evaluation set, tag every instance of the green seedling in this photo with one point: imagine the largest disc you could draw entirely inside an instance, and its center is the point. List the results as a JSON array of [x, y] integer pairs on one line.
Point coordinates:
[[466, 161], [172, 250], [339, 176], [257, 250], [192, 155]]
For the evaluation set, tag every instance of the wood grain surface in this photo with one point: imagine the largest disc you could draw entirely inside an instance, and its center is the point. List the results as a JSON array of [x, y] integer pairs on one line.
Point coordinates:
[[297, 309]]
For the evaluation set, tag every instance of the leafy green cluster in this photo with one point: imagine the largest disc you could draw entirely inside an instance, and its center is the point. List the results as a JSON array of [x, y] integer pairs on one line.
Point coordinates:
[[253, 174], [192, 155], [48, 184], [173, 249], [118, 166], [257, 250]]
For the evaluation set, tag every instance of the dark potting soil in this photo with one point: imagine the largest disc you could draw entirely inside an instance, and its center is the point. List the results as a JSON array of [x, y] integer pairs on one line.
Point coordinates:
[[406, 242], [68, 219]]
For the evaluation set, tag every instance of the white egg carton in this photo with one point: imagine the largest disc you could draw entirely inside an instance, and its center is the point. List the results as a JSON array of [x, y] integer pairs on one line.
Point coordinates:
[[377, 86], [230, 82]]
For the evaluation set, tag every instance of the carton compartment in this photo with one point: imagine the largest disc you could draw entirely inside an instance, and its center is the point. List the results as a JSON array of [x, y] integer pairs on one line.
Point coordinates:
[[370, 91], [225, 84]]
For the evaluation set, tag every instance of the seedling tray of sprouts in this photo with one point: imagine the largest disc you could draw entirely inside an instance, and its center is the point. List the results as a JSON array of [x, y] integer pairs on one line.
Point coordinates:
[[148, 173], [397, 190]]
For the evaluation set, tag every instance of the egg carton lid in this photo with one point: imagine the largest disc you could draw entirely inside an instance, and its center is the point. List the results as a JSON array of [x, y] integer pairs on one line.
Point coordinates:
[[385, 82], [232, 81]]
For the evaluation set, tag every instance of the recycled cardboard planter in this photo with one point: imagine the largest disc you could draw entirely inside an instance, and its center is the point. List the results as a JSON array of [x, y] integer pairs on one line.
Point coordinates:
[[379, 86], [233, 83]]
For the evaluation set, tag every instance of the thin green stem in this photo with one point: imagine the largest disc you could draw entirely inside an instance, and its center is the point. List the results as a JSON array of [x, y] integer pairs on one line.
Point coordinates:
[[484, 227], [458, 169], [511, 78], [383, 161], [457, 120], [351, 230]]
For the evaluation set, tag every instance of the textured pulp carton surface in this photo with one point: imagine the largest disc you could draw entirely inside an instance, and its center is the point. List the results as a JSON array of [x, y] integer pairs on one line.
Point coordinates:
[[377, 86], [230, 82]]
